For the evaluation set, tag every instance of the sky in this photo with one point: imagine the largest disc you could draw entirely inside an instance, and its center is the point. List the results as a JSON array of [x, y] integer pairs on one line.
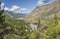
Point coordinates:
[[23, 6]]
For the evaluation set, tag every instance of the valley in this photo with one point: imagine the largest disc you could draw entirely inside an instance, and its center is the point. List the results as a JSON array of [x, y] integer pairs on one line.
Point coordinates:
[[42, 23]]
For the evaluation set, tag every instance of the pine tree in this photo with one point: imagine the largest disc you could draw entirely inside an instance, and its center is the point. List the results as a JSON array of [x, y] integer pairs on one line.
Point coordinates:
[[55, 20], [39, 23], [39, 26], [2, 19]]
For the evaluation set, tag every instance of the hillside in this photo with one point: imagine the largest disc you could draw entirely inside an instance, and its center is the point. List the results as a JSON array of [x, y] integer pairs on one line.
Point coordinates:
[[44, 12]]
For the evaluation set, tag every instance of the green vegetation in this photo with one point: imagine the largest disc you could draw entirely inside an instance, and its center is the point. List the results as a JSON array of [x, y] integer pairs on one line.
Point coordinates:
[[19, 29], [22, 29]]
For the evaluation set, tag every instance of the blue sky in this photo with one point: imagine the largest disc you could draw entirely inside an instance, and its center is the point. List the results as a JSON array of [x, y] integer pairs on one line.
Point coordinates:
[[24, 6]]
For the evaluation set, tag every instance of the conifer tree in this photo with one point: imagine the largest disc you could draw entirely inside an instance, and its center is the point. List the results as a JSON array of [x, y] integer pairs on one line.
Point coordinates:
[[39, 23], [55, 20], [2, 19], [39, 26]]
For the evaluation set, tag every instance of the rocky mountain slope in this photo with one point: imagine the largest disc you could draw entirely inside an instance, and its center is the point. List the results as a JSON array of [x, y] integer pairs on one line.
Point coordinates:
[[46, 11]]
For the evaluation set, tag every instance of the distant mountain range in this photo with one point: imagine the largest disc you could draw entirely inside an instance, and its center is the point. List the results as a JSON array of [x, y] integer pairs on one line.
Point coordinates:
[[15, 15], [44, 12]]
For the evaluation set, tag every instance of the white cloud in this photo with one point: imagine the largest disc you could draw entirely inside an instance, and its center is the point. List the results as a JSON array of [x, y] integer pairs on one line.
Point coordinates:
[[2, 4], [17, 9], [13, 8], [22, 10], [6, 8], [40, 2]]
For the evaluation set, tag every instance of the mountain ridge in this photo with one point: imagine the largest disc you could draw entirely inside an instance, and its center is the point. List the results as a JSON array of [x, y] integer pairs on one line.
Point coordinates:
[[46, 11], [15, 15]]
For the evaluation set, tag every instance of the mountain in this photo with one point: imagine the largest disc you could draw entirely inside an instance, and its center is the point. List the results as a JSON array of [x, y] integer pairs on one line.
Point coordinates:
[[44, 12], [15, 15]]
